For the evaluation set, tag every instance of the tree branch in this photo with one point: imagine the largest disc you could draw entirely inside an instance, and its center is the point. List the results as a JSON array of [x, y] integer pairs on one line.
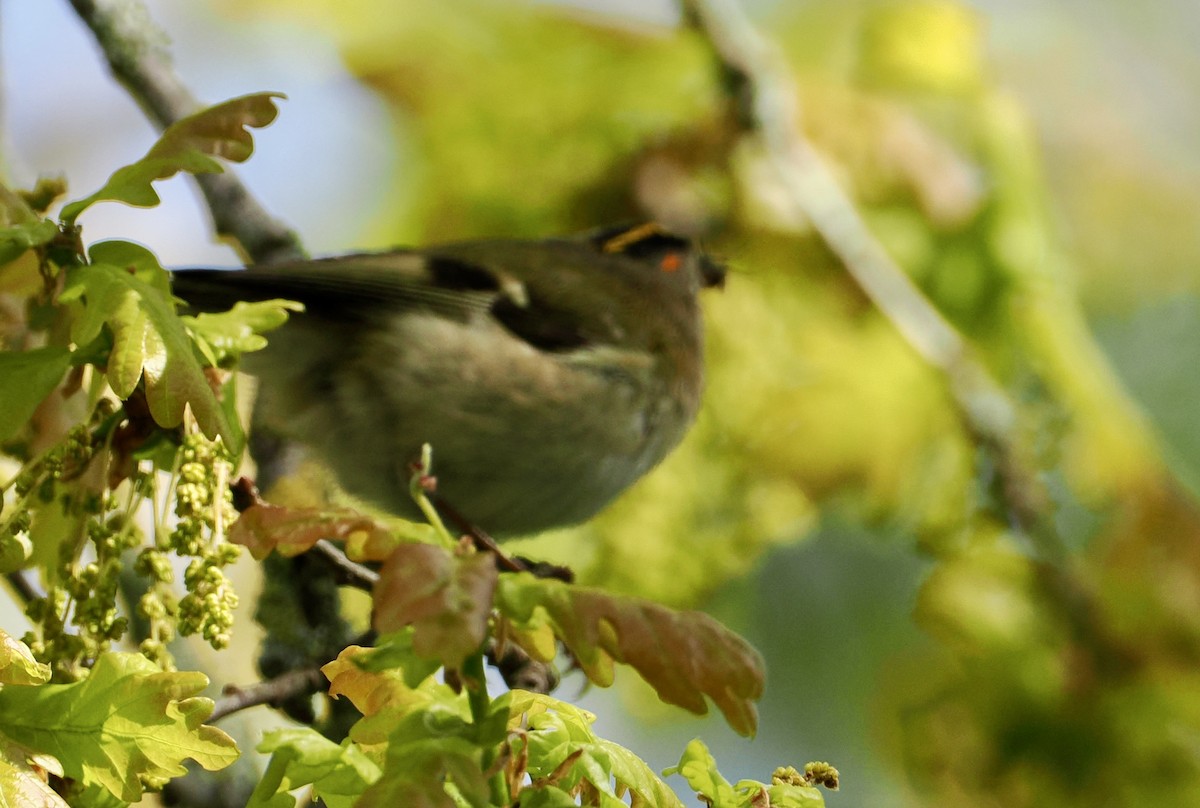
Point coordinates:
[[765, 104], [346, 572], [135, 51], [299, 682]]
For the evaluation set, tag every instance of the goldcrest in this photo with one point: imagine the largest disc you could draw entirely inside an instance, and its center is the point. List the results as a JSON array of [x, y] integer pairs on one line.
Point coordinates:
[[548, 376]]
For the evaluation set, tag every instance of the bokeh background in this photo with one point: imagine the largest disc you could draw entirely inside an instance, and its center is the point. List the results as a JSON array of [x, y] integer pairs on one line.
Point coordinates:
[[1032, 165]]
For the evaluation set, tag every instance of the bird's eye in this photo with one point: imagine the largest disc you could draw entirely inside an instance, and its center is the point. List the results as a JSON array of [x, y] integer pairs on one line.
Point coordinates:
[[671, 262]]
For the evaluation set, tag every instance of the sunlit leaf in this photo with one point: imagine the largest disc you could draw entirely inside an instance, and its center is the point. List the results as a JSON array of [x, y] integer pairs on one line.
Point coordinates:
[[371, 688], [395, 652], [239, 330], [149, 342], [302, 756], [134, 258], [23, 783], [785, 795], [53, 527], [416, 771], [187, 145], [556, 732], [368, 690], [126, 721], [425, 734], [698, 767], [17, 665]]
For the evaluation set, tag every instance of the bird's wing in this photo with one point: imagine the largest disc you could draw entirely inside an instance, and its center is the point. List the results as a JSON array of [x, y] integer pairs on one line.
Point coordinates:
[[351, 285]]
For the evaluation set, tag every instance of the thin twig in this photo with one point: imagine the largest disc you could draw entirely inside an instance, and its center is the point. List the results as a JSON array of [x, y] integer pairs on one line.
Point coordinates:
[[299, 682], [347, 572], [482, 539], [134, 48], [765, 102]]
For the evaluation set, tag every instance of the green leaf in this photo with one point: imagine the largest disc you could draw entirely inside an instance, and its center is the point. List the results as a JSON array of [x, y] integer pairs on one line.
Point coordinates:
[[417, 769], [25, 236], [134, 258], [26, 378], [788, 795], [428, 732], [94, 796], [149, 342], [395, 652], [229, 334], [684, 656], [187, 145], [17, 665], [556, 733], [634, 774], [788, 789], [44, 193], [302, 756], [698, 767], [14, 209], [546, 797], [127, 720], [21, 277], [55, 525], [15, 551]]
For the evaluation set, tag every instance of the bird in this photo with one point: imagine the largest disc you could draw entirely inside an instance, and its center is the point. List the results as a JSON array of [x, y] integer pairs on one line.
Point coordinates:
[[548, 375]]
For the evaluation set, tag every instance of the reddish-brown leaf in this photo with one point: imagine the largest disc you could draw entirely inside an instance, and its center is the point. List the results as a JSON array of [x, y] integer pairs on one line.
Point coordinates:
[[444, 596], [291, 531], [684, 656]]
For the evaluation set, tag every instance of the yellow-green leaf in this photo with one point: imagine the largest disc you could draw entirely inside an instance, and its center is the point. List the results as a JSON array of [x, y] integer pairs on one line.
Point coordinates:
[[187, 145], [149, 342], [240, 330], [22, 784], [126, 721], [26, 378], [17, 665], [18, 239], [302, 756]]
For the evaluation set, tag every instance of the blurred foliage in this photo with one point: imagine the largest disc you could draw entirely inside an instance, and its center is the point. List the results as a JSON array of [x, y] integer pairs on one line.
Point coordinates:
[[1055, 681]]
